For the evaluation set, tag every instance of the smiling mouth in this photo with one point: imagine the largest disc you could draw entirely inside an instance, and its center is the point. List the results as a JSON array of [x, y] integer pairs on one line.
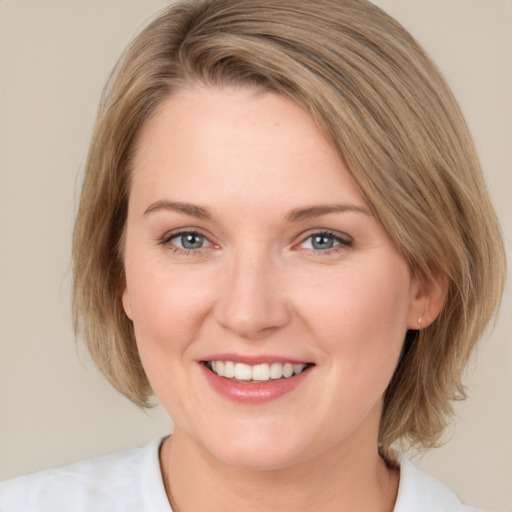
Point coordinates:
[[264, 372]]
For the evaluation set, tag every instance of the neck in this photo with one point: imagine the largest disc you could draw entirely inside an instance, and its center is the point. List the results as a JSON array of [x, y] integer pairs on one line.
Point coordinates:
[[352, 479]]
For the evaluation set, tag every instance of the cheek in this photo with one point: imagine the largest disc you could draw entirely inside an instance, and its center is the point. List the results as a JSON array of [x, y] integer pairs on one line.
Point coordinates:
[[359, 319], [168, 309], [167, 306]]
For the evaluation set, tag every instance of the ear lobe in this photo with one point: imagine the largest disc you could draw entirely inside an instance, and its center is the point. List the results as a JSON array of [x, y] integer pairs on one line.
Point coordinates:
[[427, 302], [125, 298]]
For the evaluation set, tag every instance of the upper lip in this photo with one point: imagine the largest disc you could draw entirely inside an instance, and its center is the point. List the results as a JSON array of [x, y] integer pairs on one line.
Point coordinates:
[[254, 359]]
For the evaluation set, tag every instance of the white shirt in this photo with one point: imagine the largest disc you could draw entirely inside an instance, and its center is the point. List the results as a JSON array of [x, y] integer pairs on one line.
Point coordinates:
[[131, 481]]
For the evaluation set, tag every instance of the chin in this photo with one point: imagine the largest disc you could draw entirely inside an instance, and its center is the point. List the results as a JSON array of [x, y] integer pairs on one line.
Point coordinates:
[[261, 450], [251, 460]]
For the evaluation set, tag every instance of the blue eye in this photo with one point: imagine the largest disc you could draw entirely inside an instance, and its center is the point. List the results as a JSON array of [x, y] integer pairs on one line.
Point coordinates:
[[323, 242], [189, 241]]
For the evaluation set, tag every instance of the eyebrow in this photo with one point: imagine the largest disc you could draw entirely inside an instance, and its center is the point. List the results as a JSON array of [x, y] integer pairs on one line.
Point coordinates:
[[295, 215], [323, 209], [186, 208]]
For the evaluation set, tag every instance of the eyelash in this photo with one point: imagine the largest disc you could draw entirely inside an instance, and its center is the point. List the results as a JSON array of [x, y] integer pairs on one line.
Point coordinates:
[[342, 243], [166, 241]]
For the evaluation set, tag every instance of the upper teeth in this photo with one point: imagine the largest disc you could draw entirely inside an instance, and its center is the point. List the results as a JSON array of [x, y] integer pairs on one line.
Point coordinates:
[[259, 372]]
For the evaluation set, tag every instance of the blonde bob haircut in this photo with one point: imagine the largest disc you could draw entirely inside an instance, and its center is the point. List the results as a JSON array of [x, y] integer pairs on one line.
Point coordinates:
[[388, 112]]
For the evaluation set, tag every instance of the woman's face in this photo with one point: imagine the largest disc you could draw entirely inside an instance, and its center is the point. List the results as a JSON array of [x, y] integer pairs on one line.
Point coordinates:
[[251, 252]]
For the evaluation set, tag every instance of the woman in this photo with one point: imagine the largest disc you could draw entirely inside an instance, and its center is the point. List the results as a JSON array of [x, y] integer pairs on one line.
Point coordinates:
[[284, 234]]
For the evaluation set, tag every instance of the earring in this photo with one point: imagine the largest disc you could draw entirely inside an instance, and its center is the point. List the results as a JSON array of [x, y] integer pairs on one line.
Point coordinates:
[[419, 321]]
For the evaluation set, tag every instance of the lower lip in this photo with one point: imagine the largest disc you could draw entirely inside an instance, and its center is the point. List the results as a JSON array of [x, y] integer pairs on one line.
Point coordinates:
[[252, 392]]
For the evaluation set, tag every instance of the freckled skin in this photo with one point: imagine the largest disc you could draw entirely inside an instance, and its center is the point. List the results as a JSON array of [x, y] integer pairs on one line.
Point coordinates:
[[257, 285]]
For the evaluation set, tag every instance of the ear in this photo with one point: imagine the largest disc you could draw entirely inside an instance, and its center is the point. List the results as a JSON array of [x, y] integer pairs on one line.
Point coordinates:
[[427, 300], [125, 298]]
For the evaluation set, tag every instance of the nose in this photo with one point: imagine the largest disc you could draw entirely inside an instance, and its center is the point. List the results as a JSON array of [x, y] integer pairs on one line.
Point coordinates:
[[252, 302]]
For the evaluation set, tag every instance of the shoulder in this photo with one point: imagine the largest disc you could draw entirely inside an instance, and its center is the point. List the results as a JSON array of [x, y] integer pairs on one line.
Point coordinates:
[[420, 491], [126, 481]]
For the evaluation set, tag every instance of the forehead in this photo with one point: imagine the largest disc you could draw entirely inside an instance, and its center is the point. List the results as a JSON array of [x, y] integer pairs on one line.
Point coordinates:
[[241, 144]]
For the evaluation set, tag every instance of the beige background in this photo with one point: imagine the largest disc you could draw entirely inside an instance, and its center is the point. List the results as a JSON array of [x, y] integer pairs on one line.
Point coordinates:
[[54, 59]]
